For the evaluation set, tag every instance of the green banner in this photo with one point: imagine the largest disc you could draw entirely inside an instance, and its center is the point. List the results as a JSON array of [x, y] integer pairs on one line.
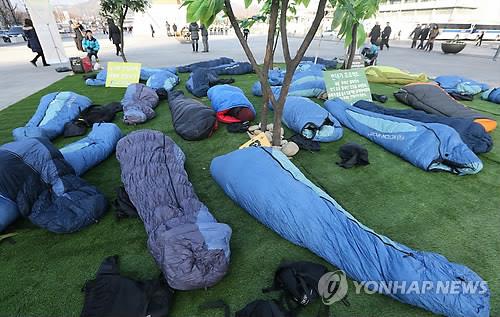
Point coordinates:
[[349, 85]]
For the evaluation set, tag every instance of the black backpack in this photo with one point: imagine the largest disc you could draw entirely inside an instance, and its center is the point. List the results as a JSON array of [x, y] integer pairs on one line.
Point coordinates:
[[257, 308], [112, 295]]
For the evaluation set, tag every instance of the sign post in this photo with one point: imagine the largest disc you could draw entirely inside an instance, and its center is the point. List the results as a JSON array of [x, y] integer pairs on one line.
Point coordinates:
[[122, 74], [349, 85]]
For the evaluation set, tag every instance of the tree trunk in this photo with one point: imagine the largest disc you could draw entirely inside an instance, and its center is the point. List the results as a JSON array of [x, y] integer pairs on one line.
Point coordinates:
[[122, 20], [352, 47]]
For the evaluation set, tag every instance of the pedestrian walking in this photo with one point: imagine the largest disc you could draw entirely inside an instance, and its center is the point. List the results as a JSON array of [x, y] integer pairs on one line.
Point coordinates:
[[34, 42], [115, 35], [204, 38], [174, 28], [78, 35], [167, 25], [386, 34], [91, 45], [497, 53], [195, 36], [415, 34], [479, 40], [152, 30], [375, 34], [246, 31], [432, 37], [423, 36]]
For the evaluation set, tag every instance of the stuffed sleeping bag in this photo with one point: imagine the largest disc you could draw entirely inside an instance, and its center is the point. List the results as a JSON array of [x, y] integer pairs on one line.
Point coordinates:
[[312, 219], [429, 146], [53, 112], [86, 153], [187, 243], [138, 104], [492, 95], [163, 79], [473, 134], [147, 72], [192, 119], [205, 64], [433, 99], [231, 104], [392, 75], [307, 118], [39, 184], [461, 85], [98, 80]]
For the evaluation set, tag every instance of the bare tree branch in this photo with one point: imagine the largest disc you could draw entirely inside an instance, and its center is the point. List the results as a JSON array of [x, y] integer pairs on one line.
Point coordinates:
[[284, 33]]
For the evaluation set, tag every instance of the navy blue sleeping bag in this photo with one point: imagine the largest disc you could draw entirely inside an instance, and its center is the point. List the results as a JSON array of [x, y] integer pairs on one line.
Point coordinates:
[[429, 146], [310, 218], [309, 119], [235, 68], [205, 64], [39, 184], [199, 81], [86, 153], [53, 112], [147, 72], [472, 133], [328, 63]]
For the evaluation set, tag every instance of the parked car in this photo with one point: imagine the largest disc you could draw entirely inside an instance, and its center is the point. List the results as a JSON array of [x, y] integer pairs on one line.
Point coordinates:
[[16, 31]]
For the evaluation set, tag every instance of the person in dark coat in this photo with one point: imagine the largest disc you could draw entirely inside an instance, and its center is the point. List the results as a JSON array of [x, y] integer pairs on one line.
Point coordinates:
[[204, 38], [33, 42], [195, 36], [423, 36], [386, 34], [174, 28], [479, 40], [152, 30], [115, 35], [375, 33], [246, 31], [167, 25], [78, 29], [415, 34]]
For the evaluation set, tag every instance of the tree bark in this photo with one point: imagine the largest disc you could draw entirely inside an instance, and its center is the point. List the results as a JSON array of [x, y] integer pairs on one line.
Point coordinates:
[[122, 20], [352, 47], [291, 64]]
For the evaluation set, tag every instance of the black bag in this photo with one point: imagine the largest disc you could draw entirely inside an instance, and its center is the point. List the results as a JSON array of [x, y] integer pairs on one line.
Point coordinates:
[[305, 144], [91, 115], [76, 64], [352, 154], [113, 295], [123, 206], [257, 308]]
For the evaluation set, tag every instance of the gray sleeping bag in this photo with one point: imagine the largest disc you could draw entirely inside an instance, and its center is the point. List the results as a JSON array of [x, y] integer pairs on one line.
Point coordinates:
[[185, 240]]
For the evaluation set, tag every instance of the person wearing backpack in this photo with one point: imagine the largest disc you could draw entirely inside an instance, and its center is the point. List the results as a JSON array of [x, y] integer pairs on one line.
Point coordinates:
[[91, 45]]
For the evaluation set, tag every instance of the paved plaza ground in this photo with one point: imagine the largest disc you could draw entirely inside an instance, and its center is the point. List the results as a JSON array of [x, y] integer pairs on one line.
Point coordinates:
[[20, 79]]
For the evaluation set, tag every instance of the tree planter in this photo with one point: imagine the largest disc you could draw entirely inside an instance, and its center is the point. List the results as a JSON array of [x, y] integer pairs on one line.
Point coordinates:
[[452, 48]]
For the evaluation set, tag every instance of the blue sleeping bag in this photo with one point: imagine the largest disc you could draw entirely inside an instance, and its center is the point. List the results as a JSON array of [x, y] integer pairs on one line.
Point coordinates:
[[328, 63], [93, 149], [309, 119], [163, 79], [429, 146], [492, 95], [199, 81], [235, 68], [473, 134], [53, 112], [205, 64], [310, 218], [39, 184], [225, 97], [147, 72], [461, 85], [99, 80]]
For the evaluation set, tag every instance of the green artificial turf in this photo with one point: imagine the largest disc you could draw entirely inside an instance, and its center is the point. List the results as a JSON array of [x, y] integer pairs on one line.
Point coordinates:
[[458, 217]]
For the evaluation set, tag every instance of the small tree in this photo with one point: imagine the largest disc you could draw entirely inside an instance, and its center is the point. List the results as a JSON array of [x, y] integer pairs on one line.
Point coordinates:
[[118, 9]]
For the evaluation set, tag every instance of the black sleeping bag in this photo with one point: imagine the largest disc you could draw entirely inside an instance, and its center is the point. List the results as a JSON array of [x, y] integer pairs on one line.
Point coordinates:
[[192, 119], [471, 133]]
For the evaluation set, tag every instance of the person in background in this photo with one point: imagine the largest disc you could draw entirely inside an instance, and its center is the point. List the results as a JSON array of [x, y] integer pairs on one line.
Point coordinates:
[[78, 36], [115, 36], [152, 30], [91, 45], [33, 42], [246, 31], [479, 40], [385, 36], [204, 38], [414, 35], [167, 25], [432, 37], [174, 28], [423, 36], [195, 36], [375, 33]]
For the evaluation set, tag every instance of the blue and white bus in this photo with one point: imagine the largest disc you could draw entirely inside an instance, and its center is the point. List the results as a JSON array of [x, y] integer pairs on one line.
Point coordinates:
[[468, 31]]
